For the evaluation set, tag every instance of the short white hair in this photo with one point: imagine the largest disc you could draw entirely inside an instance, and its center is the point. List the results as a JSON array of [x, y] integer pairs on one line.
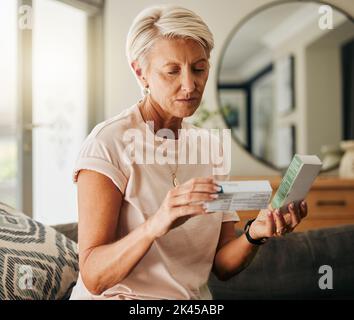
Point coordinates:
[[165, 21]]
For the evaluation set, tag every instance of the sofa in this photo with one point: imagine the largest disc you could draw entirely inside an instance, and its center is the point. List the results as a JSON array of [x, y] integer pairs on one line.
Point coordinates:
[[316, 264]]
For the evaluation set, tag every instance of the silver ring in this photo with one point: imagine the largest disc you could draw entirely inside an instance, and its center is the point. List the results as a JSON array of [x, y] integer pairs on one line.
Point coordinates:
[[281, 232]]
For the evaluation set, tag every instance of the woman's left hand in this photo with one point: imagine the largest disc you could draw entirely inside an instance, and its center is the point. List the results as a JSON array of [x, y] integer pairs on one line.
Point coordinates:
[[273, 223]]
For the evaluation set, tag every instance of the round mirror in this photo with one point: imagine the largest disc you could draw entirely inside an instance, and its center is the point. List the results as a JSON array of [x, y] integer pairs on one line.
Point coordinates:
[[285, 83]]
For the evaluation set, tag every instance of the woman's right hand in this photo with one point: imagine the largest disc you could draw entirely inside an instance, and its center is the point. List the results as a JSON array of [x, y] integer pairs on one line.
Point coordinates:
[[181, 203]]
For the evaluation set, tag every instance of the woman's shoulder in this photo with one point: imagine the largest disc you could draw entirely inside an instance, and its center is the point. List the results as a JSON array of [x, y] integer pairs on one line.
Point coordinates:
[[116, 126]]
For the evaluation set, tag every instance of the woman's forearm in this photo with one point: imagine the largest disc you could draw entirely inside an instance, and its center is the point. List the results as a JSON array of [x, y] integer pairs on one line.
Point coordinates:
[[107, 265], [233, 257]]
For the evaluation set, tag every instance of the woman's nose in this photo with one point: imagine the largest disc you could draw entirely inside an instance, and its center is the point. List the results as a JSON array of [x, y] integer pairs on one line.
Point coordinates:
[[187, 82]]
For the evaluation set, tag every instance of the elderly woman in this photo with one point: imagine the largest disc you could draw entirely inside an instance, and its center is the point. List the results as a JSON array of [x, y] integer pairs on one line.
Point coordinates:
[[143, 230]]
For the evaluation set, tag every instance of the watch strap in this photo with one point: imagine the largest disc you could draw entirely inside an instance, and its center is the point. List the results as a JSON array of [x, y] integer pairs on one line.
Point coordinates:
[[257, 242]]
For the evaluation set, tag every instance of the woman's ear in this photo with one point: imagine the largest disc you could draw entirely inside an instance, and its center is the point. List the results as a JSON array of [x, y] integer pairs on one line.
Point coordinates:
[[138, 72]]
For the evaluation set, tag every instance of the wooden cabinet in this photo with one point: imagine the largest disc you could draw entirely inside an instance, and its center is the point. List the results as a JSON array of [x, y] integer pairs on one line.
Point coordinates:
[[330, 202]]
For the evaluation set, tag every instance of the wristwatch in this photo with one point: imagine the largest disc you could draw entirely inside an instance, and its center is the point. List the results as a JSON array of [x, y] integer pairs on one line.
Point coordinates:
[[257, 242]]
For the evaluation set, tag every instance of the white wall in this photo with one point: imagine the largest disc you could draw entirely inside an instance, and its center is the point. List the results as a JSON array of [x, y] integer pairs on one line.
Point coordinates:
[[121, 89], [324, 87]]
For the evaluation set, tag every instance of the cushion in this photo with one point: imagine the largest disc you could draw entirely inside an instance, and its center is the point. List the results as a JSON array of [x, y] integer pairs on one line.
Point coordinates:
[[36, 261]]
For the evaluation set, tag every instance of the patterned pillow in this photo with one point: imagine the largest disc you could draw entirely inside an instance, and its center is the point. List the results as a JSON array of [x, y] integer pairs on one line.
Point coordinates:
[[36, 262]]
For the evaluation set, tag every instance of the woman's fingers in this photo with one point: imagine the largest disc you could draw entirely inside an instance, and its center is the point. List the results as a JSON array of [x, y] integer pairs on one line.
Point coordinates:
[[194, 190], [200, 180], [206, 188], [280, 223], [191, 197], [270, 224], [197, 185], [303, 209], [294, 214], [195, 209]]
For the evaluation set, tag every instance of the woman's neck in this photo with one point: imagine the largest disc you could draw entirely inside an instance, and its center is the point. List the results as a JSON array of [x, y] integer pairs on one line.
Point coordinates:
[[151, 111]]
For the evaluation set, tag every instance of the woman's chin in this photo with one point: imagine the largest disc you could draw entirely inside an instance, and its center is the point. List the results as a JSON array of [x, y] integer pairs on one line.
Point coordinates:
[[185, 114], [185, 111]]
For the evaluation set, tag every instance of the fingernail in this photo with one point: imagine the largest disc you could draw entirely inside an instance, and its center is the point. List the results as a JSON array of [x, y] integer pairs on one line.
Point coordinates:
[[303, 204], [269, 214], [221, 189], [291, 205], [218, 188], [214, 196], [277, 212]]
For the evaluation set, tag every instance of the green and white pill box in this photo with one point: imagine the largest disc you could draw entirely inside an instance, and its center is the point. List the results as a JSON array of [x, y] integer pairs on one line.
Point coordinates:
[[297, 180]]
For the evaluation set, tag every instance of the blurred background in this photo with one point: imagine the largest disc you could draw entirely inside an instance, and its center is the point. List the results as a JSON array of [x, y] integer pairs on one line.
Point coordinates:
[[282, 80]]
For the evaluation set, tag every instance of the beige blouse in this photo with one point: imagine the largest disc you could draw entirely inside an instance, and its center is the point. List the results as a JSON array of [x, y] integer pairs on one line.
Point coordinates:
[[178, 264]]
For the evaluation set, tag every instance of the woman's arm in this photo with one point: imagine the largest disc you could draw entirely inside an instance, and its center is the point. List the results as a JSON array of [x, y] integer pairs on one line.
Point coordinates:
[[101, 256], [234, 254], [104, 260]]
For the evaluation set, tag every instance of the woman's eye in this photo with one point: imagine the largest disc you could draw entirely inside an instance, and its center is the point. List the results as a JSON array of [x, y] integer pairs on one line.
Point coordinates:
[[173, 72]]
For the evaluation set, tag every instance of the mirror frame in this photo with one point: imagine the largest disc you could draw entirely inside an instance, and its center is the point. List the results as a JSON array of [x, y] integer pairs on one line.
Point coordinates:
[[227, 41]]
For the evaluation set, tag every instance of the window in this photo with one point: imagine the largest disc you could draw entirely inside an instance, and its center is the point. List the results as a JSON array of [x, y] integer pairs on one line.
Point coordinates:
[[59, 106], [8, 103], [50, 77]]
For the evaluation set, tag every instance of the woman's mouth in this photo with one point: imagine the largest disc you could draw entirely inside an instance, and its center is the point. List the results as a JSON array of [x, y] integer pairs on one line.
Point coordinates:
[[187, 100]]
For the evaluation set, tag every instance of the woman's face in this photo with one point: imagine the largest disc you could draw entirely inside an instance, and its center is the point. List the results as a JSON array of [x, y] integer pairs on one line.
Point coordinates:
[[177, 71]]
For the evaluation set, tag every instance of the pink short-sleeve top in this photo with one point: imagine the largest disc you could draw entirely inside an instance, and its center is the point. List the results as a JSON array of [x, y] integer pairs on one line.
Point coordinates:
[[178, 264]]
